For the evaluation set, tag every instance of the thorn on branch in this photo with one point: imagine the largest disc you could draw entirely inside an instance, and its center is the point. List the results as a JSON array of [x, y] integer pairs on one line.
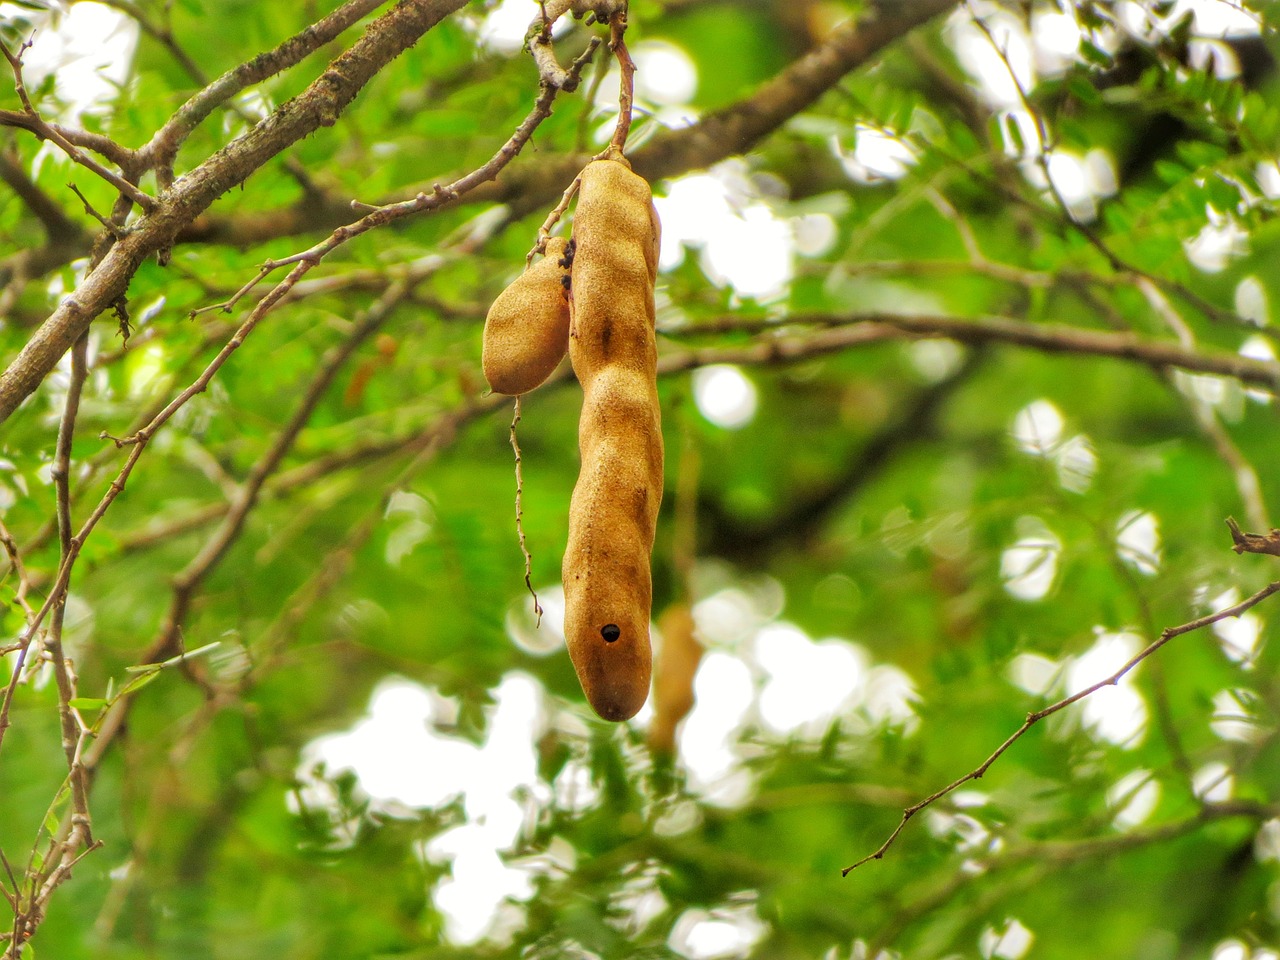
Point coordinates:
[[1241, 542]]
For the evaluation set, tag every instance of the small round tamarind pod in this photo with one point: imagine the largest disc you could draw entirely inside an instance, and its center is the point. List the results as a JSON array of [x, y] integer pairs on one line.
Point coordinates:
[[526, 332], [614, 510]]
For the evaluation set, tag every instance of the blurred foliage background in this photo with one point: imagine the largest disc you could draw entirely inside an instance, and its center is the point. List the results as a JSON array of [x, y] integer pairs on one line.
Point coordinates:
[[895, 543]]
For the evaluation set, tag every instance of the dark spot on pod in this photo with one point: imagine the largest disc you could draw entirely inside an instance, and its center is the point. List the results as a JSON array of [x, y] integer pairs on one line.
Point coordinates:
[[610, 632], [570, 248]]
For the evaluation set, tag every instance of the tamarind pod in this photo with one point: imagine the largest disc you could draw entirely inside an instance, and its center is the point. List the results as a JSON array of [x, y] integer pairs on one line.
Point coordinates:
[[526, 332], [673, 675], [614, 509]]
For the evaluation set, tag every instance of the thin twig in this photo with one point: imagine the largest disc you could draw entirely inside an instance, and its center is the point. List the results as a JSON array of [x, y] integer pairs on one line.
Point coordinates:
[[114, 229], [303, 263], [1036, 716], [18, 568], [47, 131], [544, 231], [440, 196], [188, 580], [524, 548], [1241, 542], [626, 81]]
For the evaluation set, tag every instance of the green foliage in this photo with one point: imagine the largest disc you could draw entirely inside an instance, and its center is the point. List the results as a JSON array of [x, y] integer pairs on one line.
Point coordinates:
[[911, 545]]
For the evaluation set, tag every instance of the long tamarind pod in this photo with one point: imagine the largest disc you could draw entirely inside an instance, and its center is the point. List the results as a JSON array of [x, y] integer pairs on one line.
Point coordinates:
[[526, 332], [608, 589]]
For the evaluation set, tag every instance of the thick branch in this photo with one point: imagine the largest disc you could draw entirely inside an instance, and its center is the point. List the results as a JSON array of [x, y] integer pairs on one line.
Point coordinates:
[[163, 147], [319, 105]]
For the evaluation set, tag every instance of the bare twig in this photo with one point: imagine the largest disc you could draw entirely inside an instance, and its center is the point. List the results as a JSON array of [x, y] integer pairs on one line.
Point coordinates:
[[380, 216], [544, 231], [626, 81], [1246, 477], [1241, 542], [1036, 716], [114, 229], [524, 548], [18, 569], [47, 131], [187, 582]]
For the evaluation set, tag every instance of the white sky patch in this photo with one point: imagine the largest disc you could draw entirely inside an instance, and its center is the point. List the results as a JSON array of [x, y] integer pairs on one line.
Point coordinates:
[[503, 30], [890, 695], [970, 835], [664, 73], [725, 396], [809, 683], [88, 47], [727, 617], [814, 234], [936, 359], [718, 934], [527, 632], [1081, 181], [1037, 427], [1217, 18], [1028, 568], [1133, 798], [1057, 37], [1268, 176], [1115, 714], [1266, 845], [1258, 347], [876, 156], [399, 759], [1010, 941], [1213, 783], [410, 518], [1234, 717], [723, 692], [1138, 541], [743, 244], [1035, 674], [1217, 243], [982, 61], [1239, 636], [1225, 395], [1077, 463], [1250, 301]]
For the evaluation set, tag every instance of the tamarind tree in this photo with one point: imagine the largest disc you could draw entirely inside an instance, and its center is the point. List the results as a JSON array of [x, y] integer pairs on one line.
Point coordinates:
[[962, 578]]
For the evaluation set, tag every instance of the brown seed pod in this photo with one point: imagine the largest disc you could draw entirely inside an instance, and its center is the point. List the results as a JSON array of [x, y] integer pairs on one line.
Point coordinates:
[[673, 674], [526, 331], [608, 590]]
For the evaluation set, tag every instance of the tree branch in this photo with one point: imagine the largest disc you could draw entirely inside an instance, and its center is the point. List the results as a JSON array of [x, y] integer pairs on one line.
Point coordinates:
[[319, 105], [846, 330], [162, 148]]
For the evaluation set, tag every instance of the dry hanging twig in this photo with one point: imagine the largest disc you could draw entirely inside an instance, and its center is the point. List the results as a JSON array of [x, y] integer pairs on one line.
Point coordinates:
[[1036, 716]]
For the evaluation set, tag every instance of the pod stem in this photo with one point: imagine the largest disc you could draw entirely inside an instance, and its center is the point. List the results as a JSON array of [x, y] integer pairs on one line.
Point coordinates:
[[544, 231], [626, 84], [524, 549]]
